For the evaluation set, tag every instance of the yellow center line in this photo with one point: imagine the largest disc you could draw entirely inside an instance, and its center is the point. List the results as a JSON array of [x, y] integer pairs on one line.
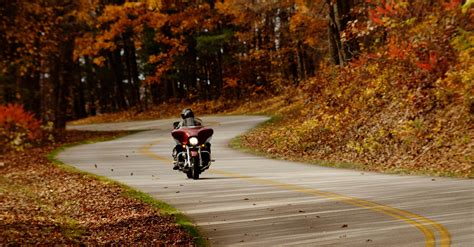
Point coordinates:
[[146, 151], [421, 223]]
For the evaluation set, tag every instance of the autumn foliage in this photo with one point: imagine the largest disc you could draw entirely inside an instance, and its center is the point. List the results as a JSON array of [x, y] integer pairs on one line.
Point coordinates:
[[371, 81], [405, 104], [18, 128]]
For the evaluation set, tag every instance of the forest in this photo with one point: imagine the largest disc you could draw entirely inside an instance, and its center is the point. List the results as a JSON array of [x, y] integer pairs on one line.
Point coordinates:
[[370, 85], [374, 80]]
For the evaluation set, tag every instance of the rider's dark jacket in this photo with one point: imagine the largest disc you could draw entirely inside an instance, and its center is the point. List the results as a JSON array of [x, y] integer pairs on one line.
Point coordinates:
[[190, 121]]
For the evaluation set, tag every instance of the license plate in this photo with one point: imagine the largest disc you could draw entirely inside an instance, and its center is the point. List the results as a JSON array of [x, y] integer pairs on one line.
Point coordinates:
[[194, 153]]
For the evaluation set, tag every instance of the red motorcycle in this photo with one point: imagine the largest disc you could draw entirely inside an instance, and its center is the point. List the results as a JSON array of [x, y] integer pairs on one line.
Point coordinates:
[[192, 154]]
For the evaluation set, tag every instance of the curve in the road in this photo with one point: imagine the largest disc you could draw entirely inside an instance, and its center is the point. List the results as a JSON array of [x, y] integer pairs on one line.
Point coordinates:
[[423, 224], [253, 201]]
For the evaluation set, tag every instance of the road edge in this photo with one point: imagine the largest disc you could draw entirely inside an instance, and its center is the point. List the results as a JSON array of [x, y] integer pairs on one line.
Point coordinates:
[[162, 207]]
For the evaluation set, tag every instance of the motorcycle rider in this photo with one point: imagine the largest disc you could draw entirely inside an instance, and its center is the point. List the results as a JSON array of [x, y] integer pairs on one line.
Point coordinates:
[[188, 120]]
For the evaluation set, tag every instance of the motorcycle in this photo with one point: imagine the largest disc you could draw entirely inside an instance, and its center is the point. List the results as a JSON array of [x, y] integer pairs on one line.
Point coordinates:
[[192, 154]]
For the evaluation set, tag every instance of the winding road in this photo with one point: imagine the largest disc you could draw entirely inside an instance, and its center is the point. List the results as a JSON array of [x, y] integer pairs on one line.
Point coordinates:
[[254, 201]]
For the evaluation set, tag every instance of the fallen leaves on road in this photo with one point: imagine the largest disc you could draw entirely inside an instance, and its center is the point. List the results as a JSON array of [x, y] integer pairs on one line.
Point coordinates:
[[43, 204]]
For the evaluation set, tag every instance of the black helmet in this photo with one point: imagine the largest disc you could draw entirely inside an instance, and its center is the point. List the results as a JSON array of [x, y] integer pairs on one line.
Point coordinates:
[[187, 113]]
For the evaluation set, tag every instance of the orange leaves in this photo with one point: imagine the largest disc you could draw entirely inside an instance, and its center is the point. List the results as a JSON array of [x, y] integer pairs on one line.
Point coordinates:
[[451, 4], [13, 113], [425, 66], [17, 127], [118, 20], [394, 51], [385, 10], [115, 22], [85, 10], [129, 22], [193, 19], [308, 28], [231, 82], [419, 38], [429, 64], [89, 45], [29, 33], [375, 17], [99, 61]]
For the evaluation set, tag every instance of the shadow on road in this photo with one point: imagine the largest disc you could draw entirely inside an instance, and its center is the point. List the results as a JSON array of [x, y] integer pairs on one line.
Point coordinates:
[[213, 178]]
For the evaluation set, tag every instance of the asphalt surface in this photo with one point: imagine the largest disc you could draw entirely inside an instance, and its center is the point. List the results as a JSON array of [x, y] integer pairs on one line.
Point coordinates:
[[254, 201]]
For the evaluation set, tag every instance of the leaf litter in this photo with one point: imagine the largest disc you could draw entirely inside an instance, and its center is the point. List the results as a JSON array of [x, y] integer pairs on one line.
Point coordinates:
[[43, 204]]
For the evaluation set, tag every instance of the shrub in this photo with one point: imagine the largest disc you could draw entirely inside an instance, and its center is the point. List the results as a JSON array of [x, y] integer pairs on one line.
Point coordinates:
[[18, 128]]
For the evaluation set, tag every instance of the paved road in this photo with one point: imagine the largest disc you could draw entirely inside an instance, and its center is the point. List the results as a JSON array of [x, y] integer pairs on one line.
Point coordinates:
[[253, 201]]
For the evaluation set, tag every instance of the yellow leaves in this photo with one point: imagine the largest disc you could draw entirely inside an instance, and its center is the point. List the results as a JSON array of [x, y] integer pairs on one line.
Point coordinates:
[[459, 80], [369, 92], [99, 61], [309, 125], [352, 145], [410, 130], [301, 5], [467, 6], [154, 4], [132, 5], [258, 54], [224, 6], [464, 43], [346, 111]]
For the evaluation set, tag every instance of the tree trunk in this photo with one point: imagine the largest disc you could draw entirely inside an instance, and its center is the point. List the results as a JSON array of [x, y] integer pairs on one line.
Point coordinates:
[[92, 87], [78, 93], [63, 69], [130, 90], [135, 76], [335, 45], [300, 62], [339, 16], [120, 101], [132, 71], [220, 74], [105, 90]]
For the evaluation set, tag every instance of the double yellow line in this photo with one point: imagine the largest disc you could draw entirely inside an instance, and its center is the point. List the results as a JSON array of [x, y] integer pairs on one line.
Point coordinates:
[[420, 222], [426, 226]]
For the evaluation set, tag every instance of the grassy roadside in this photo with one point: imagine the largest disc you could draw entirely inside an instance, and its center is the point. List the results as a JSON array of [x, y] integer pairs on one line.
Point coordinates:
[[161, 207], [166, 209], [237, 143], [246, 143]]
